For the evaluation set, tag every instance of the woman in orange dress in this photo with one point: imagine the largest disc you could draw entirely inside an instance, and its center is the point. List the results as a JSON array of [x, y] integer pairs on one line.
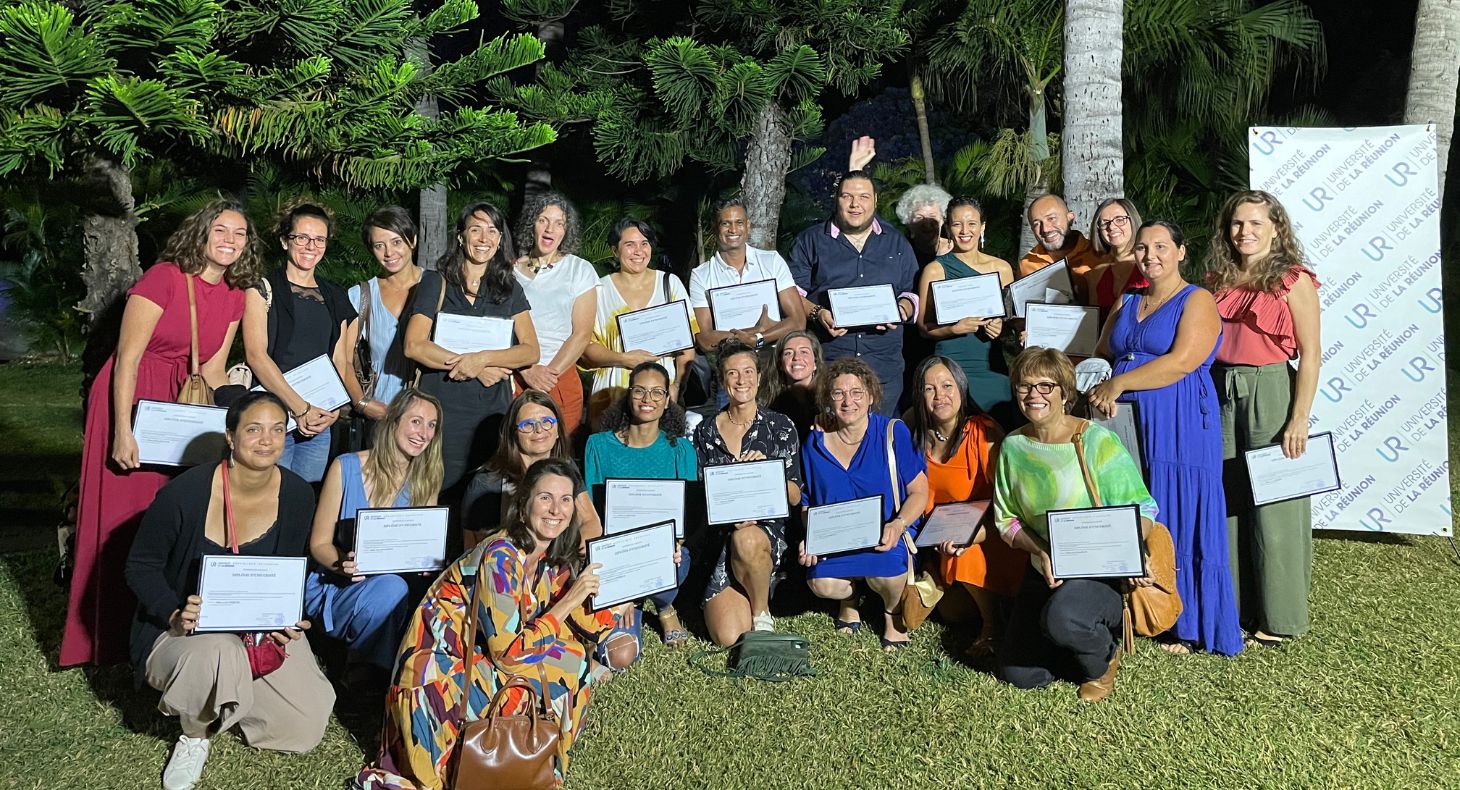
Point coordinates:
[[960, 444]]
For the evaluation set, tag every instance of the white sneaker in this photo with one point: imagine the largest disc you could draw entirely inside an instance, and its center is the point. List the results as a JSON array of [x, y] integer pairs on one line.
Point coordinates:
[[762, 622], [185, 766]]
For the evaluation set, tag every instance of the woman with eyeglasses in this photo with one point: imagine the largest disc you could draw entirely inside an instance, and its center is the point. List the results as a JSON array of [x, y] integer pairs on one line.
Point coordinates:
[[738, 597], [642, 435], [791, 387], [1067, 629], [635, 286], [531, 432], [473, 279], [1113, 235], [296, 316], [972, 343], [859, 453]]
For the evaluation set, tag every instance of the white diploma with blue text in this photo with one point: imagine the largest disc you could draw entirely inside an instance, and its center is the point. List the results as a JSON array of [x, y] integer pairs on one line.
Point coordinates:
[[468, 334], [979, 296], [1277, 478], [178, 434], [635, 564], [1071, 328], [400, 539], [248, 594], [660, 330], [1036, 287], [1096, 543], [628, 504], [866, 305], [955, 522], [746, 491], [740, 306], [318, 383], [844, 526]]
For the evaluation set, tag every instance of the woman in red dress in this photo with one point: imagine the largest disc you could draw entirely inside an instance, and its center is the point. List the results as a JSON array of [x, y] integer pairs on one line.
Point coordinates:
[[217, 249]]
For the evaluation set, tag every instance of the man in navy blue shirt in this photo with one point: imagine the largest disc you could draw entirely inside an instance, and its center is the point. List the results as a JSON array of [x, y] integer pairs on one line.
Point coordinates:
[[854, 248]]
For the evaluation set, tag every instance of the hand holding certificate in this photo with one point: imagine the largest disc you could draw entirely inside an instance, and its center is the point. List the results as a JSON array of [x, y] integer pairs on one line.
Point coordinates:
[[468, 334], [318, 383], [633, 564], [843, 526], [1277, 478], [954, 522], [1037, 287], [746, 491], [739, 306], [1096, 543], [178, 434], [980, 296], [247, 593], [660, 330], [867, 305], [1073, 329], [400, 540]]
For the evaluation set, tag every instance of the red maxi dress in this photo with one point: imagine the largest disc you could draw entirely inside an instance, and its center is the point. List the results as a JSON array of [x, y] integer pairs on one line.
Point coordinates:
[[99, 612]]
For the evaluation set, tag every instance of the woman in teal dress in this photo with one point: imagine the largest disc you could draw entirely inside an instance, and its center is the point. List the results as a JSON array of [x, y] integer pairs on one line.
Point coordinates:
[[971, 342]]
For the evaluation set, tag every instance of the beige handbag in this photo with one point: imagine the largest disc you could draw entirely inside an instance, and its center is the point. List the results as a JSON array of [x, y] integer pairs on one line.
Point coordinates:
[[924, 591], [195, 389]]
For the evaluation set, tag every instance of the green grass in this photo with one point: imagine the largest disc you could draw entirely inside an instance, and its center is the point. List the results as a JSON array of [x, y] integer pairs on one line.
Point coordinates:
[[1371, 698]]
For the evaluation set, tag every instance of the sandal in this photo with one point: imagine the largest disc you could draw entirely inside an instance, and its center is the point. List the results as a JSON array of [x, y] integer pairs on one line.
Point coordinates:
[[675, 636], [1179, 647], [1253, 640], [982, 647], [890, 646], [847, 627]]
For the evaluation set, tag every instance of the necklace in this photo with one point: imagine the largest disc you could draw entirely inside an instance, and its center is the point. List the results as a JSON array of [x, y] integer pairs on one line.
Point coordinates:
[[848, 442], [730, 415], [538, 265], [1149, 308], [940, 435]]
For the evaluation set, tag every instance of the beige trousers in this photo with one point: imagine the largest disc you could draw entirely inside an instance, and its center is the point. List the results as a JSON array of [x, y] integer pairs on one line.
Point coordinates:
[[205, 682]]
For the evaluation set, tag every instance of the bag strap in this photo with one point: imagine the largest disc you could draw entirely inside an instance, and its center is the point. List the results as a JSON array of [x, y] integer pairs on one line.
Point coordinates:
[[892, 469], [367, 295], [193, 327], [230, 534], [469, 648], [1127, 625]]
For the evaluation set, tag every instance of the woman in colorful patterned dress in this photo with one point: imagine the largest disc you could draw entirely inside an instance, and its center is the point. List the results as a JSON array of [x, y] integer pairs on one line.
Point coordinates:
[[534, 623]]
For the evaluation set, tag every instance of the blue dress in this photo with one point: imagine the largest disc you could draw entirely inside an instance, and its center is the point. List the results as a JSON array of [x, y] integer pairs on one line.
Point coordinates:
[[1181, 436], [868, 475]]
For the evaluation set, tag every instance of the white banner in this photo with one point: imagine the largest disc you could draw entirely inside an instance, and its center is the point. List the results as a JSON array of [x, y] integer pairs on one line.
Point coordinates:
[[1366, 205]]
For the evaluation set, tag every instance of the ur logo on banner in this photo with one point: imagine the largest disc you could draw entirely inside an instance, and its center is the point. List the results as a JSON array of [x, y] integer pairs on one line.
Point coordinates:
[[1365, 203]]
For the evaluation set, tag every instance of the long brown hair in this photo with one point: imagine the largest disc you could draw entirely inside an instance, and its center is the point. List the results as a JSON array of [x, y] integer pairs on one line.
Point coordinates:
[[187, 246], [1224, 265], [563, 550], [423, 473], [775, 382], [507, 461]]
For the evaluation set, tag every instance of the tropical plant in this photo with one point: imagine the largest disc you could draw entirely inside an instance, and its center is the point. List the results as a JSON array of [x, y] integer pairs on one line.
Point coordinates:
[[40, 269]]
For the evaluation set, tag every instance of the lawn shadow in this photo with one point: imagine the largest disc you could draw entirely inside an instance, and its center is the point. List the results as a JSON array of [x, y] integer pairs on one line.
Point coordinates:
[[45, 609]]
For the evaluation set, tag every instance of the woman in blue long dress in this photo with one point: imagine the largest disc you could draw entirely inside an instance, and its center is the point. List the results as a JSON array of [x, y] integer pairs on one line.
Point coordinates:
[[849, 460], [971, 342], [1163, 339]]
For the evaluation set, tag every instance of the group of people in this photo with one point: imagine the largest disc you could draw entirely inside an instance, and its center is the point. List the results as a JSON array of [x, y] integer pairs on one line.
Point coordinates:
[[500, 436]]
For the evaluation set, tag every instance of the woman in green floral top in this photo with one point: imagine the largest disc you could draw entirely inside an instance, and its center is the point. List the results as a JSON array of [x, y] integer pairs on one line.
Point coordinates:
[[1070, 628]]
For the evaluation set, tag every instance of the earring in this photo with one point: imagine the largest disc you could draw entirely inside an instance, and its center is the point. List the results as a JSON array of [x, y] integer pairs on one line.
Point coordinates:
[[980, 240]]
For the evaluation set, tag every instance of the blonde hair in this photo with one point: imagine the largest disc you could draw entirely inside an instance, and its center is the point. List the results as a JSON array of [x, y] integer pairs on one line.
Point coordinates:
[[423, 473], [1224, 264]]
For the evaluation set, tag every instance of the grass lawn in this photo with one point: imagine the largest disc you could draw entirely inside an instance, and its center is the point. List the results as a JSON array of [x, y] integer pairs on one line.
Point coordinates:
[[1370, 699]]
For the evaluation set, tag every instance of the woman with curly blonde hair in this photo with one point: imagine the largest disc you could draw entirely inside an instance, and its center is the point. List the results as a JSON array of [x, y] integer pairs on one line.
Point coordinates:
[[205, 267], [1268, 299]]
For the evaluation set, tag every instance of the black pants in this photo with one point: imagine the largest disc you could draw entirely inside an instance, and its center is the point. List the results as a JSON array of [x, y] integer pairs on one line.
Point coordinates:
[[1070, 632]]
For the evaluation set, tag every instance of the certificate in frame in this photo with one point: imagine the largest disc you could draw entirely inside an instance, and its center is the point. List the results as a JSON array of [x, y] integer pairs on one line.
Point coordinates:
[[1120, 562]]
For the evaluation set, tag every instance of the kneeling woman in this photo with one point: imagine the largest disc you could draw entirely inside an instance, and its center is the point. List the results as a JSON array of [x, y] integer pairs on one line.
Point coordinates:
[[532, 622], [863, 454], [1072, 627], [248, 505], [403, 470]]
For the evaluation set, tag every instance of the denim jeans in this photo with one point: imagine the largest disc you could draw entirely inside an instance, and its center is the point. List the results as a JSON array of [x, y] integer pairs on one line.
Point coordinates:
[[665, 600], [369, 616], [306, 457]]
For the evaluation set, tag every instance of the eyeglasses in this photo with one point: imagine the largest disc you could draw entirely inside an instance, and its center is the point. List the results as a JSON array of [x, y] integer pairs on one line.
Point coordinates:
[[308, 241], [1042, 387], [1118, 221], [855, 395], [539, 424], [652, 395]]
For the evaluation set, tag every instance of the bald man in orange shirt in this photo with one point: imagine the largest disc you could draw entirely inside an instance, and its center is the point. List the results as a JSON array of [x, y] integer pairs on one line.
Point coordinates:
[[1050, 219]]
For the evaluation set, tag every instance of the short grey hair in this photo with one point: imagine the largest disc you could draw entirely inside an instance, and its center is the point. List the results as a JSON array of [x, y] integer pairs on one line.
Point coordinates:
[[919, 196]]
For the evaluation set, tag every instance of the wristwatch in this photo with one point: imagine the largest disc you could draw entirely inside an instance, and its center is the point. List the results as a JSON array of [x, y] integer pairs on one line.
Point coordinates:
[[759, 338]]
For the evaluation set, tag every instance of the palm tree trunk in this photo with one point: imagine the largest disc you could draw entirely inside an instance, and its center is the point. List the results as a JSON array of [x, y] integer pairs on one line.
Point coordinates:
[[1090, 143], [920, 109], [433, 224], [1038, 153], [1434, 73], [767, 161], [108, 237]]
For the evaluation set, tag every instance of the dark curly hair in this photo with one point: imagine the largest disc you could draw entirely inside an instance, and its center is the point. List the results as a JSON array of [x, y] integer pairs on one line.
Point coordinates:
[[616, 418], [187, 246], [572, 232]]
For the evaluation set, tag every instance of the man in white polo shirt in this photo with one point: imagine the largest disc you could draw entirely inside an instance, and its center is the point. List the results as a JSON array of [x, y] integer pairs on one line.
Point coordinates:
[[737, 263]]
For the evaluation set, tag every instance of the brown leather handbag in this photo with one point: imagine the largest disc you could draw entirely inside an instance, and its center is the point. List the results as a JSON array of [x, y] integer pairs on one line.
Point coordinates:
[[195, 389], [1149, 611], [498, 751]]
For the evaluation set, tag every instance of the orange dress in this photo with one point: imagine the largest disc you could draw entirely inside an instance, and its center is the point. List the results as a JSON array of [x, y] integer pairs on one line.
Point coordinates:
[[992, 565]]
